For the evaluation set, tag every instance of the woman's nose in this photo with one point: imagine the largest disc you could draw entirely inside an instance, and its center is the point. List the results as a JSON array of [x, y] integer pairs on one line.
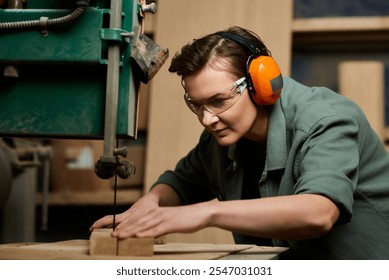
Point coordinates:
[[207, 118]]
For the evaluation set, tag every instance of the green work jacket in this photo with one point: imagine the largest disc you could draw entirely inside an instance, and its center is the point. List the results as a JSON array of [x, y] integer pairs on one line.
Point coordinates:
[[318, 142]]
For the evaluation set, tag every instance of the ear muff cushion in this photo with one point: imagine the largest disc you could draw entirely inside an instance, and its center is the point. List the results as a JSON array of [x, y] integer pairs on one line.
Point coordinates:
[[266, 78]]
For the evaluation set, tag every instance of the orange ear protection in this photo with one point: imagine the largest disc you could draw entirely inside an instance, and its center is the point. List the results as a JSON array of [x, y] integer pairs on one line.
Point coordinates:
[[262, 72]]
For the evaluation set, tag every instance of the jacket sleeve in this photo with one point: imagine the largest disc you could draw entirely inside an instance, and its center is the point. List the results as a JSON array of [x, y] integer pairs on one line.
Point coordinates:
[[329, 162]]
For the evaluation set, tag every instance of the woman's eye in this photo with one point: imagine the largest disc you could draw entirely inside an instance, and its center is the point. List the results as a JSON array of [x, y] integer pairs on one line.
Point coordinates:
[[218, 103]]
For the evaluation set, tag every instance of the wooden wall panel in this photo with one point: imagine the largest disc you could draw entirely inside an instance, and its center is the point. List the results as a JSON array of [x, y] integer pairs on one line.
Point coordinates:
[[172, 129], [363, 82]]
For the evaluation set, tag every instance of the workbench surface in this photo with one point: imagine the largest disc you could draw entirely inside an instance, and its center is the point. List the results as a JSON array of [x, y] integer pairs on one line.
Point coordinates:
[[79, 250]]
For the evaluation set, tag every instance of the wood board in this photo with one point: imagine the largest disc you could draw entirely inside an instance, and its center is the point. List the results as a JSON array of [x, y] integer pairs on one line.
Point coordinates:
[[102, 243], [79, 250]]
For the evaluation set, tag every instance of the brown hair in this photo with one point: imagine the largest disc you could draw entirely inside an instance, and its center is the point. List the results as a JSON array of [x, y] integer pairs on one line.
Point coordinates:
[[214, 51]]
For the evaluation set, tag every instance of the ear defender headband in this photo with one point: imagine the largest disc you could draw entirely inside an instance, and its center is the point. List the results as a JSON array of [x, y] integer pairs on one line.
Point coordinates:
[[262, 72]]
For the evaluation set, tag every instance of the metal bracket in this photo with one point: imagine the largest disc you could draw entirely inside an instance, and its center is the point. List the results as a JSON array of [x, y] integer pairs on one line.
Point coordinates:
[[115, 35]]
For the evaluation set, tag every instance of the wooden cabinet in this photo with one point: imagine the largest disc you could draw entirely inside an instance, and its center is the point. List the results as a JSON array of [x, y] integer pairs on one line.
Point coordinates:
[[368, 36]]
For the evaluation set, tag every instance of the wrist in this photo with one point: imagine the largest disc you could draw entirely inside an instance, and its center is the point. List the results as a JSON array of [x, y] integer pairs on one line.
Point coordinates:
[[165, 195], [211, 210]]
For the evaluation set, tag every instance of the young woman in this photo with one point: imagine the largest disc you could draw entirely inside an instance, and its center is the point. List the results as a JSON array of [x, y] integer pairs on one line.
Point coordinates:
[[291, 165]]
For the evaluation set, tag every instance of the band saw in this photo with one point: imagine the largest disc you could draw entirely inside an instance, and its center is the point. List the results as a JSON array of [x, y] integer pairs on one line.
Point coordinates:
[[71, 69]]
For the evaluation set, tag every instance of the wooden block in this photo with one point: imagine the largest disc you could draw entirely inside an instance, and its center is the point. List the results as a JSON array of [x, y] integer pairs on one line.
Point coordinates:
[[160, 240], [102, 243]]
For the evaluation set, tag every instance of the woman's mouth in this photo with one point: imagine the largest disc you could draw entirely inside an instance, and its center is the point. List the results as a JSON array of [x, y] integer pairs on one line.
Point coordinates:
[[219, 132]]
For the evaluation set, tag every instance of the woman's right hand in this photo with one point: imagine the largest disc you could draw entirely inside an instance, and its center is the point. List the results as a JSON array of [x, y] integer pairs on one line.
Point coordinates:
[[145, 204], [160, 195]]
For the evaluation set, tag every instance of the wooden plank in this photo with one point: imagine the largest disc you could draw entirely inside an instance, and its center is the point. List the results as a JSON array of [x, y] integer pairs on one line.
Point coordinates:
[[340, 24], [363, 82], [207, 235], [79, 250], [330, 30], [257, 253], [172, 129], [102, 243]]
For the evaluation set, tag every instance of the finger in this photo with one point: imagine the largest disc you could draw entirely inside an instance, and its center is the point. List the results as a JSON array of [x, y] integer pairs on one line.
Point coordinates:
[[103, 222], [131, 229]]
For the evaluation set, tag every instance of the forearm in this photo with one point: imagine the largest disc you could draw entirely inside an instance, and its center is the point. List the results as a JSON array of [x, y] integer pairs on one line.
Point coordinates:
[[165, 195], [286, 217]]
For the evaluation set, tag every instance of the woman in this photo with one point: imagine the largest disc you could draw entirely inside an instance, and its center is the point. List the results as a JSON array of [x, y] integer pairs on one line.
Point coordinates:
[[301, 169]]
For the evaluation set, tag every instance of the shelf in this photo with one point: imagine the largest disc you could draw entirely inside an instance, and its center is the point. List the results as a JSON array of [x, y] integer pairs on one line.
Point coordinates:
[[341, 24], [370, 32], [66, 198], [331, 30]]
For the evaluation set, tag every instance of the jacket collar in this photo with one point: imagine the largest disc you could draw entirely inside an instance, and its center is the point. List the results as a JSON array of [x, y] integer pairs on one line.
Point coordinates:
[[276, 151]]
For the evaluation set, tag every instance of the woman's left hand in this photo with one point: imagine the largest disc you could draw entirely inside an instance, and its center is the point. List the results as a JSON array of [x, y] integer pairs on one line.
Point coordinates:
[[163, 220]]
